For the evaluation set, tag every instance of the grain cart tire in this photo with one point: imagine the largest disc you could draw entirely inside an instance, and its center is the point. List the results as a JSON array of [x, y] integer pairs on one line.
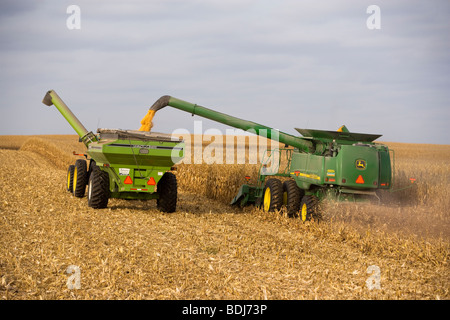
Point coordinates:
[[98, 188], [309, 208], [91, 167], [292, 196], [167, 190], [272, 195], [69, 186], [80, 178]]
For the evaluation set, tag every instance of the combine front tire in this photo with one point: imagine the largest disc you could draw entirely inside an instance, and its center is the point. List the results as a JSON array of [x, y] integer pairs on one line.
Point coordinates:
[[69, 186], [98, 189], [272, 195], [80, 177], [167, 190]]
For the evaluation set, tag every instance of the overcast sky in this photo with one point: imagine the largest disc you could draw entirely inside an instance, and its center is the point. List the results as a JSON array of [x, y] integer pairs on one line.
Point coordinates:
[[284, 64]]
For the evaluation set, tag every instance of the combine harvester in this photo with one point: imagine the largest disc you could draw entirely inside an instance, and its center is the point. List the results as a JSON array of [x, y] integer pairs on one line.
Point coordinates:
[[339, 164]]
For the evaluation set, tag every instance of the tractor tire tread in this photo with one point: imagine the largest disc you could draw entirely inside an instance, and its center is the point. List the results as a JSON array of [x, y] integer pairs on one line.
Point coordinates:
[[70, 170], [276, 191], [294, 197], [82, 178], [312, 205], [167, 190], [99, 195]]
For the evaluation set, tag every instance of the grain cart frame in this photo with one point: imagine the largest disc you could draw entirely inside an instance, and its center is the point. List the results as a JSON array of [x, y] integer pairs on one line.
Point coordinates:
[[124, 164], [342, 164]]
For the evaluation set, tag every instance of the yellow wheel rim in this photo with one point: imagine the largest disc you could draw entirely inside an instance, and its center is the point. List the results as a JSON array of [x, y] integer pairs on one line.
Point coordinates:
[[68, 180], [267, 196], [74, 179], [304, 212]]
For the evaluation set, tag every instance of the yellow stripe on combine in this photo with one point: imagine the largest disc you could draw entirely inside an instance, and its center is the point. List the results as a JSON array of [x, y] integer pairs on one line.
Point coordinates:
[[310, 176]]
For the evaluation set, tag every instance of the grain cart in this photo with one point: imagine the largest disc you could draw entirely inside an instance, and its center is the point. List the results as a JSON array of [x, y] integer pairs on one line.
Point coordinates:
[[341, 164], [124, 164]]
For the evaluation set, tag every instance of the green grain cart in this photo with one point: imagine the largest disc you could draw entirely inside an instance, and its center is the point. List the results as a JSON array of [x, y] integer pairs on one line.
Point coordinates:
[[341, 164], [124, 164]]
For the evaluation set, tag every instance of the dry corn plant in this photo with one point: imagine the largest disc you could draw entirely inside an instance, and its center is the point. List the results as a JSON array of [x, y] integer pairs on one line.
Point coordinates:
[[209, 250]]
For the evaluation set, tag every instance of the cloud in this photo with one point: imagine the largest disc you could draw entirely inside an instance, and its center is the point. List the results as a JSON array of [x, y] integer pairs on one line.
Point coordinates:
[[283, 63]]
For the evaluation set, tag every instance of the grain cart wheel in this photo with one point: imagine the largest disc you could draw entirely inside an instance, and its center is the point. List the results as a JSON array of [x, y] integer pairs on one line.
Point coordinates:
[[167, 190], [80, 177], [292, 196], [272, 195], [309, 208], [70, 178], [91, 167], [98, 188]]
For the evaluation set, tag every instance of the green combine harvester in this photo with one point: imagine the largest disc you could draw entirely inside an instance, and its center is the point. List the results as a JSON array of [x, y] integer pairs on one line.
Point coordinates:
[[124, 164], [340, 164]]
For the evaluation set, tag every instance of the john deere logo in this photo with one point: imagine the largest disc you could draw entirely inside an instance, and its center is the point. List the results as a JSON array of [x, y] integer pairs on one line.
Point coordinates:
[[360, 164]]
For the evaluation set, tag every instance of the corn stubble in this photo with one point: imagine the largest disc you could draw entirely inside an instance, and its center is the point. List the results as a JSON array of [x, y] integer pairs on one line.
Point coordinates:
[[209, 250]]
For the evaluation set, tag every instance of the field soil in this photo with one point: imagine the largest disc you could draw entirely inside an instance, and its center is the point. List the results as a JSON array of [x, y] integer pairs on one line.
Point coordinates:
[[209, 250]]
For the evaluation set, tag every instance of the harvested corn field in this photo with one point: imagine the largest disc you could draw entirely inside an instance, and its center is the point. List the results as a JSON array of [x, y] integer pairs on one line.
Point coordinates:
[[210, 250]]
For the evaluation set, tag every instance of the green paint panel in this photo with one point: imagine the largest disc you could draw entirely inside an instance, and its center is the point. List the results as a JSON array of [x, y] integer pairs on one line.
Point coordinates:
[[143, 154], [357, 167], [132, 163], [385, 168]]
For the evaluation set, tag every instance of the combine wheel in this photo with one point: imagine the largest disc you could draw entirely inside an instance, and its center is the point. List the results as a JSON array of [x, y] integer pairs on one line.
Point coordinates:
[[80, 177], [292, 196], [98, 189], [167, 190], [69, 186], [309, 208], [272, 195]]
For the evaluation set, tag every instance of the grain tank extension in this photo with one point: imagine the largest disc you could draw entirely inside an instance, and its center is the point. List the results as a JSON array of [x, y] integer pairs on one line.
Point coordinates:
[[125, 164], [321, 163]]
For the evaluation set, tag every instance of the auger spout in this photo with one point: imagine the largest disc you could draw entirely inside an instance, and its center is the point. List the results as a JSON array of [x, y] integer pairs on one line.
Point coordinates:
[[52, 98]]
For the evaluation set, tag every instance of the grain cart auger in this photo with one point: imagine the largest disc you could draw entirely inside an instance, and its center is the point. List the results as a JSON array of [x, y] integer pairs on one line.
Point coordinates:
[[125, 164], [339, 163]]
